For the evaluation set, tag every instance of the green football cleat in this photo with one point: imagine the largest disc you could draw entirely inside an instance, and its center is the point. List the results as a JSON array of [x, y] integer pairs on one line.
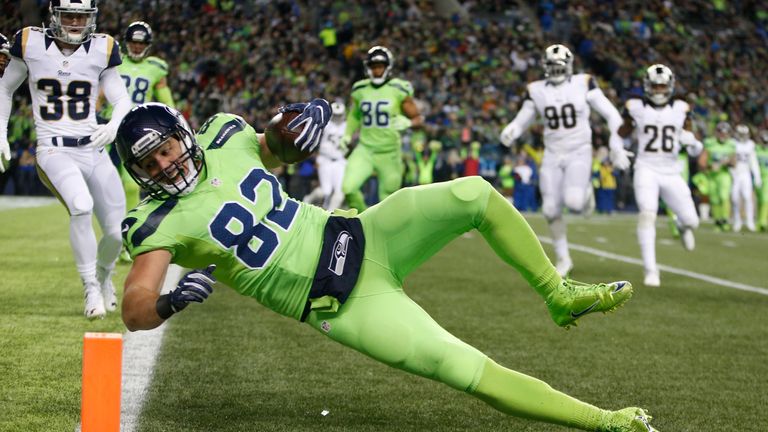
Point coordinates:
[[628, 420], [572, 300]]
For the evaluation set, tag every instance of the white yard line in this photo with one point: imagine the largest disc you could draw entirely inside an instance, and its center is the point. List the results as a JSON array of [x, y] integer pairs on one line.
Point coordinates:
[[140, 350], [9, 202], [665, 268]]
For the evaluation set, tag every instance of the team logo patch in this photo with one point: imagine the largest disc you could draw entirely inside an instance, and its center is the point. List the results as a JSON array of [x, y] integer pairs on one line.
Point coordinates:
[[339, 257], [325, 326], [215, 182]]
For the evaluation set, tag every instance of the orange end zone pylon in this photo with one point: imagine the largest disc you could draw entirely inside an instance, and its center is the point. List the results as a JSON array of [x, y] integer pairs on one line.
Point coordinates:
[[102, 373]]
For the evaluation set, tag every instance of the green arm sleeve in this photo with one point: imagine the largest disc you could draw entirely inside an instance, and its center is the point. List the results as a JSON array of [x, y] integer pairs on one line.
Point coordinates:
[[164, 96], [353, 120]]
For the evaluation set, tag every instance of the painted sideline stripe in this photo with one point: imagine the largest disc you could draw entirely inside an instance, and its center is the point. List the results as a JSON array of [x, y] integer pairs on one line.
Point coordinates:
[[140, 351], [702, 277]]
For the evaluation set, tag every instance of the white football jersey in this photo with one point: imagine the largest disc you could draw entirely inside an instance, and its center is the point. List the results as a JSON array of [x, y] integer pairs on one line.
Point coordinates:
[[658, 133], [64, 89], [745, 152], [565, 112], [332, 134]]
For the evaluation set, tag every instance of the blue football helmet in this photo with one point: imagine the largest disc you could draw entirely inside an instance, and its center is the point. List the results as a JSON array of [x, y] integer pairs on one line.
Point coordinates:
[[558, 63], [64, 32], [5, 45], [145, 129], [659, 84], [137, 31], [381, 55]]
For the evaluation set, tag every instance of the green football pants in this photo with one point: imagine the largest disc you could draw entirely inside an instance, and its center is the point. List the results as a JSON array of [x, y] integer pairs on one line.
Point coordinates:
[[361, 165], [381, 321], [720, 194]]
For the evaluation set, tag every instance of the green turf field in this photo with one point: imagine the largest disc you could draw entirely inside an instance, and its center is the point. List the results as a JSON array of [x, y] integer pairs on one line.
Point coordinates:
[[694, 354]]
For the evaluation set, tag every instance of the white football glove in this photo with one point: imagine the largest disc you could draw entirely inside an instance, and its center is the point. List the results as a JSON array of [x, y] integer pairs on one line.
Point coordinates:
[[103, 135], [344, 144], [5, 152], [508, 134], [620, 159], [401, 123]]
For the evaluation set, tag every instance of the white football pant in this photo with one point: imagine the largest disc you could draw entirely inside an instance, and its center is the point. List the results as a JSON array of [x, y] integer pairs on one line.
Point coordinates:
[[330, 173], [564, 180], [86, 182], [741, 192], [649, 186]]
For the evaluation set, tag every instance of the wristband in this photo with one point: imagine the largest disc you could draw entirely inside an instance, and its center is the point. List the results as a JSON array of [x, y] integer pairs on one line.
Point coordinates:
[[163, 306]]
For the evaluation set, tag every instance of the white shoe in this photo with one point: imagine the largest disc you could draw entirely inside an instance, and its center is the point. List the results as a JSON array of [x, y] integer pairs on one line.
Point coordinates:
[[107, 289], [652, 278], [737, 227], [689, 241], [564, 266], [751, 228], [94, 302]]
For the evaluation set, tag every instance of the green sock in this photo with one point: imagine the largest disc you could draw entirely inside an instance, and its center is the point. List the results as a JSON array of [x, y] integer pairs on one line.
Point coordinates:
[[523, 396], [510, 236]]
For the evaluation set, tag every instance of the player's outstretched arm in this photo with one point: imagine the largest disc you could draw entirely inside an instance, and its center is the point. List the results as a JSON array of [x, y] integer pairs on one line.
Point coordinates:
[[14, 75], [519, 124], [411, 111], [163, 93], [114, 90], [143, 306]]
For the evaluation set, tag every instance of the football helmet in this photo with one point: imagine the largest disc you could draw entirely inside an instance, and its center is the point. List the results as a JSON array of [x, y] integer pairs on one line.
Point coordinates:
[[143, 130], [379, 54], [723, 131], [742, 132], [558, 63], [5, 45], [764, 136], [139, 32], [63, 32], [659, 84], [338, 108]]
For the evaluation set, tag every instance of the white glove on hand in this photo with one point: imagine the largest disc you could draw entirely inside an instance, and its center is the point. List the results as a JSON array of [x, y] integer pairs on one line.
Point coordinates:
[[344, 144], [401, 123], [508, 135], [620, 159], [5, 152], [103, 135]]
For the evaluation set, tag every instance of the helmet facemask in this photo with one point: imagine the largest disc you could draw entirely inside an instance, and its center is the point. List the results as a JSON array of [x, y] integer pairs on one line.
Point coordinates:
[[379, 55], [177, 179], [62, 31], [138, 32], [558, 64], [659, 84]]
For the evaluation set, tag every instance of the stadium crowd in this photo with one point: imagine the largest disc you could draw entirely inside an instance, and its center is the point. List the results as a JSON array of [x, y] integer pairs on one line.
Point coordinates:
[[468, 66]]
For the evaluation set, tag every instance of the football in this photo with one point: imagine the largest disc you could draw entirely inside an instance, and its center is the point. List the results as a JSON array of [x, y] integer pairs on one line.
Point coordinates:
[[280, 138]]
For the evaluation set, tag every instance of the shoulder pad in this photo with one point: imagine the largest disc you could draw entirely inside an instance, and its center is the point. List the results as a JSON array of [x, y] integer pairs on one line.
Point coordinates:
[[402, 85], [361, 84], [157, 61]]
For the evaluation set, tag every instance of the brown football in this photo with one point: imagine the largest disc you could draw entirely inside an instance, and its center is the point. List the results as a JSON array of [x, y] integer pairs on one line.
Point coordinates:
[[280, 138]]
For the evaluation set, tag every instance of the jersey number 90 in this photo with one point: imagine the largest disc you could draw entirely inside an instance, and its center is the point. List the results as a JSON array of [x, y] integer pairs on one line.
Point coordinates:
[[79, 103], [234, 226]]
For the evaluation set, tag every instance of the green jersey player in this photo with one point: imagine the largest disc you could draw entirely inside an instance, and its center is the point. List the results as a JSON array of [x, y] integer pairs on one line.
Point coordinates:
[[762, 192], [215, 206], [718, 157], [381, 107], [146, 78]]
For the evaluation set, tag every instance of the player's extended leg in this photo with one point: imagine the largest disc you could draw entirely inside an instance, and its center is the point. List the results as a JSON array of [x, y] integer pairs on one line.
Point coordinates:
[[60, 170], [677, 195], [337, 177], [109, 207], [414, 223], [389, 169], [415, 343], [723, 189], [749, 202], [762, 200], [359, 168], [646, 185], [552, 193]]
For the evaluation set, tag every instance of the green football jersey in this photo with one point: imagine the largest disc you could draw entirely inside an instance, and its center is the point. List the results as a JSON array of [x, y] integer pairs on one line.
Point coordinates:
[[762, 159], [375, 107], [719, 152], [265, 244], [140, 79]]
